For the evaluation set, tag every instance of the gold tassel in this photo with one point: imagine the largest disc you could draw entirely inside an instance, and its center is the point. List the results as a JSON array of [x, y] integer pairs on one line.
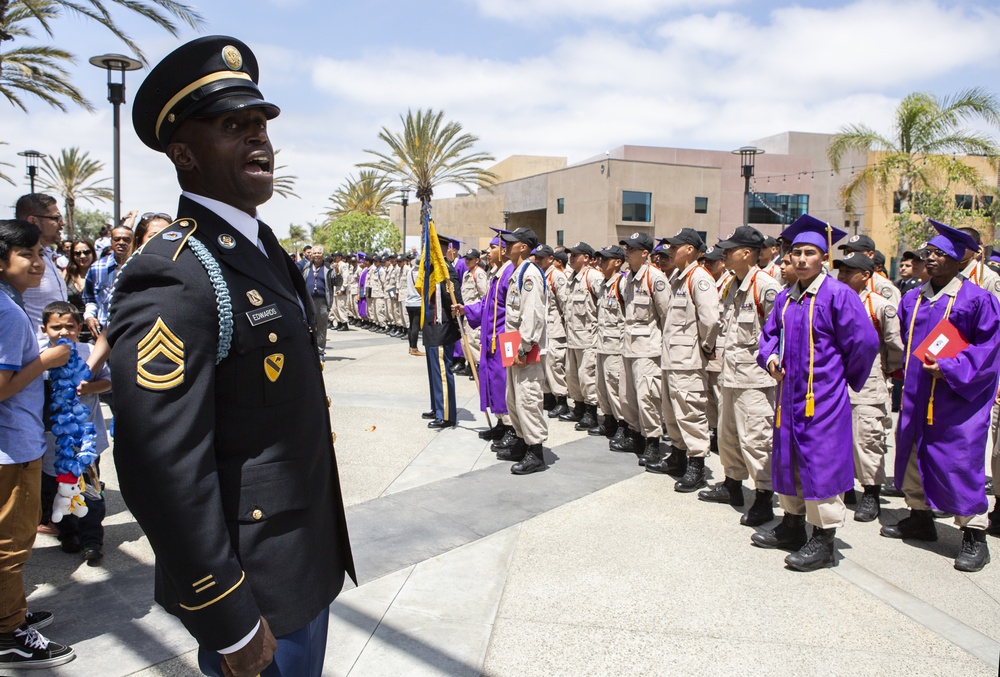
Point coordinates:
[[777, 417], [494, 344], [810, 405], [930, 403]]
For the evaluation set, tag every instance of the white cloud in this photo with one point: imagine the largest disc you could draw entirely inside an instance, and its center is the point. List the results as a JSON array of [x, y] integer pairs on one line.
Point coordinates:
[[623, 11]]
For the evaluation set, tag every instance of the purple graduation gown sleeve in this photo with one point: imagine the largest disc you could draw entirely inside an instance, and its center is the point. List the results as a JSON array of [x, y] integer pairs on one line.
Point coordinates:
[[492, 373], [950, 451]]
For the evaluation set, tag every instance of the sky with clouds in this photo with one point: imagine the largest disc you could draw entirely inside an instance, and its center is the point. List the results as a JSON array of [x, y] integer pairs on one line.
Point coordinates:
[[569, 78]]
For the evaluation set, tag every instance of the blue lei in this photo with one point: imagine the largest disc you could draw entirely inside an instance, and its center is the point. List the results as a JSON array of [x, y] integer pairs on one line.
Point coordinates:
[[75, 434]]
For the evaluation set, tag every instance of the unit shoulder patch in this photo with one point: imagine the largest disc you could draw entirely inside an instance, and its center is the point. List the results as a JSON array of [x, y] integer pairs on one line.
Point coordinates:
[[887, 292], [890, 311], [659, 285], [529, 284], [770, 294], [704, 285], [160, 358], [996, 285]]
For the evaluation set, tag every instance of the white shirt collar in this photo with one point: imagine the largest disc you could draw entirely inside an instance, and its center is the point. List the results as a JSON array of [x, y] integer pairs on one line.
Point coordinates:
[[245, 224]]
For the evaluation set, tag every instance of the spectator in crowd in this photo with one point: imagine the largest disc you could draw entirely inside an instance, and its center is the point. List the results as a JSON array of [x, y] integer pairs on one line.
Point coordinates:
[[149, 225], [81, 259], [43, 211], [101, 280], [103, 242]]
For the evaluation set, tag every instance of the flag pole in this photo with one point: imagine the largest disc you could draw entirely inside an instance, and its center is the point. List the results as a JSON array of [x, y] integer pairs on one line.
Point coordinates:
[[466, 348]]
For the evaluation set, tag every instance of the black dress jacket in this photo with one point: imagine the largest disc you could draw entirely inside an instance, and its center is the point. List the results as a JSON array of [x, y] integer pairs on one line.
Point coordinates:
[[229, 468], [445, 331]]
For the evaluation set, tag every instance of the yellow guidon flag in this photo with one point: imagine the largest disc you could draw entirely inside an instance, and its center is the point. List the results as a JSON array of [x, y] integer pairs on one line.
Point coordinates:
[[433, 268]]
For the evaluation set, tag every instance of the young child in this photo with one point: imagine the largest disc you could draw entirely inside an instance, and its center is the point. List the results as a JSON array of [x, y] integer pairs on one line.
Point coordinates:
[[60, 320], [22, 444]]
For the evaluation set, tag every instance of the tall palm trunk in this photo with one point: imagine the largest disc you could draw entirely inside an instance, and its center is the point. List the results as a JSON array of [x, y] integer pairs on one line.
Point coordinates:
[[70, 216], [905, 187]]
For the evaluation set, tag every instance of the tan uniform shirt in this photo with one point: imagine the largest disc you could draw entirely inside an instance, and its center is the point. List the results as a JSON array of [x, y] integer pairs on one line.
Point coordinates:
[[525, 306], [558, 297], [351, 280], [376, 282], [720, 284], [890, 352], [475, 284], [989, 281], [746, 305], [647, 300], [692, 320], [610, 316], [581, 316], [885, 287]]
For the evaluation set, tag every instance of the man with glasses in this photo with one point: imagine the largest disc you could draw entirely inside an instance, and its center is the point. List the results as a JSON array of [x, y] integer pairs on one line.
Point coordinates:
[[43, 211], [101, 280]]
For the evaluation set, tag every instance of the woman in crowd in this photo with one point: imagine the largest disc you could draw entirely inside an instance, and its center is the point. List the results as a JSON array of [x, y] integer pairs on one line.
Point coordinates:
[[82, 256]]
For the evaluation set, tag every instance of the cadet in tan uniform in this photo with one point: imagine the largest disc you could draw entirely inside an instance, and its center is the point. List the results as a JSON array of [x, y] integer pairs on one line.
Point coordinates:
[[746, 416], [554, 360], [391, 281], [475, 284], [647, 298], [525, 308], [712, 261], [354, 270], [870, 405], [977, 272], [689, 336], [581, 321], [610, 321], [339, 309], [770, 258], [376, 282], [878, 283]]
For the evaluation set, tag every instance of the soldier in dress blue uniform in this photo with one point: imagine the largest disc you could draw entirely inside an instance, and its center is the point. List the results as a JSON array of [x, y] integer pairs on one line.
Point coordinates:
[[441, 333], [228, 461]]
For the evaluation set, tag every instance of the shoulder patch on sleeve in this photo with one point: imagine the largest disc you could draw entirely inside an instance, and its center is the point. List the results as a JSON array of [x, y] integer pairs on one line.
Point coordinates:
[[996, 285], [561, 281], [704, 285], [659, 285], [890, 311], [887, 292], [529, 284], [160, 363], [770, 294]]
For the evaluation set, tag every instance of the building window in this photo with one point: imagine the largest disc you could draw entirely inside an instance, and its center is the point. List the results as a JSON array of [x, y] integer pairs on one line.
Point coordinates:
[[636, 206], [777, 208], [560, 205], [559, 238], [701, 205], [984, 201], [963, 202], [897, 203]]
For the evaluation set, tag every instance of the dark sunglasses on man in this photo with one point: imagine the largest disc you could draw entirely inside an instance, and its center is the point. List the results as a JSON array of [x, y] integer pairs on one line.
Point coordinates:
[[149, 216]]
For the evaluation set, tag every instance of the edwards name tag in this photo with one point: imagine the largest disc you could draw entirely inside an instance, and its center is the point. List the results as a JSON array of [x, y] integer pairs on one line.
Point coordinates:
[[262, 315]]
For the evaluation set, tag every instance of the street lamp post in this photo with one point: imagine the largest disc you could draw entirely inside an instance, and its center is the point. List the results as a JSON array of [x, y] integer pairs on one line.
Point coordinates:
[[405, 193], [747, 155], [116, 63], [31, 159], [506, 218]]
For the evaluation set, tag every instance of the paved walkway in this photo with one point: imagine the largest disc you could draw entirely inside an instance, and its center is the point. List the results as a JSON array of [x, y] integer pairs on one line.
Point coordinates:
[[589, 568]]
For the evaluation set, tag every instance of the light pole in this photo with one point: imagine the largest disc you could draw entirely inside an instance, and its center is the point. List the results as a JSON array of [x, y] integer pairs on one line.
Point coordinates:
[[116, 96], [31, 158], [747, 158], [405, 193], [506, 219]]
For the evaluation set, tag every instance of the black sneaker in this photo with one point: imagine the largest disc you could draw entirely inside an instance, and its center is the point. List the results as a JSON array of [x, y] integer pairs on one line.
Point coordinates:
[[26, 648], [38, 619]]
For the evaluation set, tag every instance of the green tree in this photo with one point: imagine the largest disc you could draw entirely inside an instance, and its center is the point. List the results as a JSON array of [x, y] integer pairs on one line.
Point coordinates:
[[3, 176], [36, 71], [917, 156], [367, 194], [297, 238], [357, 232], [428, 153], [71, 176], [284, 185], [90, 221]]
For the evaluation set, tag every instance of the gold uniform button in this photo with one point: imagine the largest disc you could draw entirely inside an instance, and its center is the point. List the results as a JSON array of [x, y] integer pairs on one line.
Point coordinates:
[[329, 403], [272, 337], [257, 514]]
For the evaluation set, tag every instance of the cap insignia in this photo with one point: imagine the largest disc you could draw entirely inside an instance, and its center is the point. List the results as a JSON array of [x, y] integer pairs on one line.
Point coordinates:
[[855, 238], [232, 57]]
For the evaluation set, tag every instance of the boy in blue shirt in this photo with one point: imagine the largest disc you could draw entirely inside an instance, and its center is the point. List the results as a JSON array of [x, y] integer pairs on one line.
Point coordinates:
[[22, 444], [61, 320]]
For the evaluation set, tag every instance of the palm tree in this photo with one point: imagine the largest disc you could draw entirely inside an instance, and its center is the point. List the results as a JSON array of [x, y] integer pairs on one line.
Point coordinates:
[[36, 71], [917, 156], [367, 194], [429, 153], [283, 185], [3, 176], [71, 177]]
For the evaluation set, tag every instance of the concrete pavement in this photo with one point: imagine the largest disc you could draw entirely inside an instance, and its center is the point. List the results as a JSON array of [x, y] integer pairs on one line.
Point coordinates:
[[591, 567]]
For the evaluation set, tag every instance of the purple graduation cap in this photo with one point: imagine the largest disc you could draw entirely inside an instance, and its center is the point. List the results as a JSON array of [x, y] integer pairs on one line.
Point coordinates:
[[499, 231], [810, 230], [951, 241]]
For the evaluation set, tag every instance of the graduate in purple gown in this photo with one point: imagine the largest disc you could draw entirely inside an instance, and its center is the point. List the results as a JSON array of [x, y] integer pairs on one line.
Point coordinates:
[[945, 414], [461, 366], [487, 315], [362, 299], [817, 342]]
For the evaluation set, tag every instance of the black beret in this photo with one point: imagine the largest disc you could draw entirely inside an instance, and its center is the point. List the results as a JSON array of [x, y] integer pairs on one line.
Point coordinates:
[[206, 77]]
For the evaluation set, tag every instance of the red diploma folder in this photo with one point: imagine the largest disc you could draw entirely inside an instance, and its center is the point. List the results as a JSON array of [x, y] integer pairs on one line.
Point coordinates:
[[944, 340], [510, 341]]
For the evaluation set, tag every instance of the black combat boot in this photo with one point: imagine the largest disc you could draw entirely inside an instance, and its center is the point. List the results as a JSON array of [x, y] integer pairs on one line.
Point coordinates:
[[761, 511], [713, 441], [506, 442], [994, 517], [651, 454], [548, 401], [868, 510], [618, 438], [494, 433], [850, 498], [817, 553], [674, 464], [574, 414], [975, 553], [561, 407], [533, 461], [515, 452], [790, 534], [610, 426], [589, 419], [727, 491], [634, 443], [600, 429], [694, 476], [918, 526]]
